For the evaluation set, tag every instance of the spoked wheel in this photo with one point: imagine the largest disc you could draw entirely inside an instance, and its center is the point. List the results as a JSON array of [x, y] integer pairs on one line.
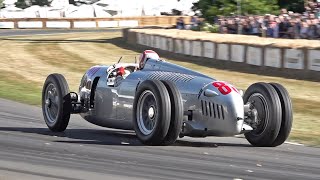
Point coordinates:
[[286, 108], [151, 112], [56, 102], [147, 112], [264, 114]]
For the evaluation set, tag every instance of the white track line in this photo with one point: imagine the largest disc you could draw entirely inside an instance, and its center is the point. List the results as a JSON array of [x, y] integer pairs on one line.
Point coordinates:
[[293, 143]]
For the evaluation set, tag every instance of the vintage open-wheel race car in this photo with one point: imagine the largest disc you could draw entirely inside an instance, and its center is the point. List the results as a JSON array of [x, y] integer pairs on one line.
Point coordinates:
[[161, 101]]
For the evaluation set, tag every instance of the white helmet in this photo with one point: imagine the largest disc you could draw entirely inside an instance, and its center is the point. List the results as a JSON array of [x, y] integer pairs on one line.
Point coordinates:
[[147, 54]]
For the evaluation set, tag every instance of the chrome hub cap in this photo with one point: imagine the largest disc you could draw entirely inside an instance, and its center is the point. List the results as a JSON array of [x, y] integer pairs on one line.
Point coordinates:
[[259, 113], [151, 112], [51, 103], [146, 112]]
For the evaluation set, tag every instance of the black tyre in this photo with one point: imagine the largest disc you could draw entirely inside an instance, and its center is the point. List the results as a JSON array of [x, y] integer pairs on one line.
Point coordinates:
[[266, 103], [176, 113], [151, 112], [286, 107], [56, 102]]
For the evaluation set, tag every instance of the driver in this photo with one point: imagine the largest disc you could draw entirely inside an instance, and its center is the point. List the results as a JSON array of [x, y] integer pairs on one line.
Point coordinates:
[[147, 54], [122, 73]]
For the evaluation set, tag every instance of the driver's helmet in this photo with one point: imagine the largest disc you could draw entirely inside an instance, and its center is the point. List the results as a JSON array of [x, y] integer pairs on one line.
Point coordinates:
[[147, 54]]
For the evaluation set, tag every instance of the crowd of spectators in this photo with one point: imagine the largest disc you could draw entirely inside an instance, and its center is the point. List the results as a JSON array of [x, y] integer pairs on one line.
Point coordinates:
[[195, 23], [285, 25]]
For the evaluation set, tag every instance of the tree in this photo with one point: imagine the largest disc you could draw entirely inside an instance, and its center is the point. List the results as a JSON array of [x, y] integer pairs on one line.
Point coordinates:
[[40, 2], [22, 3], [212, 8], [292, 5], [259, 7], [1, 4]]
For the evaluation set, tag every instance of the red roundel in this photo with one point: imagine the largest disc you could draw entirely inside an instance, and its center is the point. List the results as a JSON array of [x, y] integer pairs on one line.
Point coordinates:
[[224, 88]]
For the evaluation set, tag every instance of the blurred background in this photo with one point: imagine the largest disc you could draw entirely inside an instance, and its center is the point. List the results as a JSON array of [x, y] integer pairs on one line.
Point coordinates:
[[92, 8]]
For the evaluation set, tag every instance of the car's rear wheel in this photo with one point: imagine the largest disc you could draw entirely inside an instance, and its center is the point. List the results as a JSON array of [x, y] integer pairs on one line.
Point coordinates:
[[176, 113], [56, 102], [151, 112], [265, 114], [286, 108]]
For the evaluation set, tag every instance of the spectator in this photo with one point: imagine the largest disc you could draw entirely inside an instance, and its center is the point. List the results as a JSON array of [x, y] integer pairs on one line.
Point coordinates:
[[312, 31], [180, 23], [221, 26], [291, 29], [297, 28], [304, 30], [283, 27], [245, 27], [194, 22], [276, 27], [232, 27], [283, 11], [270, 30], [317, 22], [255, 27]]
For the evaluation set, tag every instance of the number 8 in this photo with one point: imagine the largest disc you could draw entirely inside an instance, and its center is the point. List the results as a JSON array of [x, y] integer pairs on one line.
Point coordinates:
[[222, 87]]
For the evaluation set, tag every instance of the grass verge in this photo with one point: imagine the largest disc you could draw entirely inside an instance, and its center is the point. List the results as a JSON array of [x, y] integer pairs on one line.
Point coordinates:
[[17, 88]]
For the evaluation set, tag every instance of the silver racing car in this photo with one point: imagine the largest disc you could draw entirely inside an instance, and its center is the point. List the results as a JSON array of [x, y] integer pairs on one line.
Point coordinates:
[[161, 101]]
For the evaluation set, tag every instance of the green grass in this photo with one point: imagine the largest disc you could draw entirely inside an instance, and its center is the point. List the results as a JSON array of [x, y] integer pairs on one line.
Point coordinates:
[[21, 77], [17, 88]]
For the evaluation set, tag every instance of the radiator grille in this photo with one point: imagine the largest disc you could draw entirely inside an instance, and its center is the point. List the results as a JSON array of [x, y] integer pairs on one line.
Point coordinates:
[[170, 76], [212, 110]]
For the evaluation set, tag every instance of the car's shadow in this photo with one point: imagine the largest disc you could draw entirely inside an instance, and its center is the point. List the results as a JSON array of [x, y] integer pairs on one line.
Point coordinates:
[[106, 137]]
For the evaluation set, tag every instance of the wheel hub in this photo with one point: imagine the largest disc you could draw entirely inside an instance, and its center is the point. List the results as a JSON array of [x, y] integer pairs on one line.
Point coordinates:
[[51, 103], [146, 112], [257, 112], [151, 112], [48, 102]]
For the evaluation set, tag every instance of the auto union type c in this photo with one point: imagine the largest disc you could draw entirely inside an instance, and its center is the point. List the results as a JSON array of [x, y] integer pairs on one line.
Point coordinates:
[[161, 101]]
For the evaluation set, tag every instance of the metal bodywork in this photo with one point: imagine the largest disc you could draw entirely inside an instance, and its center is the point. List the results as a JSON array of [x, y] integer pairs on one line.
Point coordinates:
[[208, 111]]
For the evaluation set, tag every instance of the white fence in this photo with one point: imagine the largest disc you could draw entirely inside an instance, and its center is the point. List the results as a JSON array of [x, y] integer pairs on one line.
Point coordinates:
[[11, 23], [276, 57]]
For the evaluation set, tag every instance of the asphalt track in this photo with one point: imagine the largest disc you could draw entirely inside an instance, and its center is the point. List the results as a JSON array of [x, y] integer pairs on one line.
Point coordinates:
[[28, 150], [84, 151]]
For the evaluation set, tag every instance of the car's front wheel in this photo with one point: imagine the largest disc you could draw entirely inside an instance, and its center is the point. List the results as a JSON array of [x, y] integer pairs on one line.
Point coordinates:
[[264, 114], [287, 115], [176, 113], [151, 112]]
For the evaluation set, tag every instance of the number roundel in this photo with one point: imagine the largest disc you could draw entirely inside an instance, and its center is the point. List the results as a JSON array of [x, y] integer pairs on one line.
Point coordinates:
[[224, 88]]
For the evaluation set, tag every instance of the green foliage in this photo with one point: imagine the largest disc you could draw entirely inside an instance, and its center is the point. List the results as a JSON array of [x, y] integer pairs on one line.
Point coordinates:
[[205, 27], [212, 8], [292, 5], [21, 4], [210, 28], [259, 7], [195, 28], [40, 2], [214, 28], [1, 3]]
